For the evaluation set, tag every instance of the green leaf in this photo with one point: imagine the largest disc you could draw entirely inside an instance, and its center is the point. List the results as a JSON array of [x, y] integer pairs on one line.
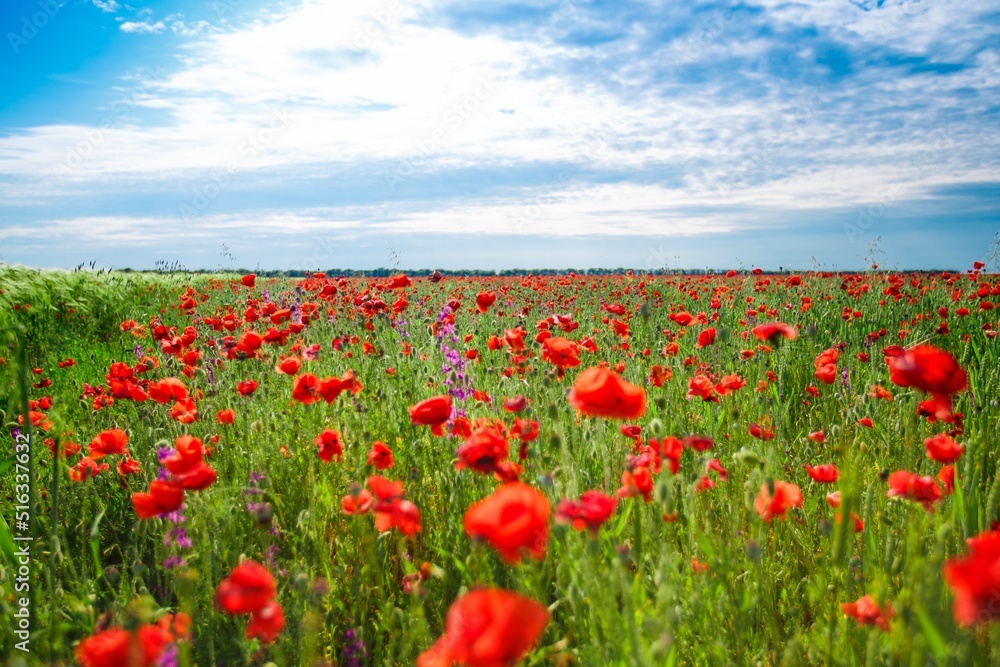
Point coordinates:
[[934, 638]]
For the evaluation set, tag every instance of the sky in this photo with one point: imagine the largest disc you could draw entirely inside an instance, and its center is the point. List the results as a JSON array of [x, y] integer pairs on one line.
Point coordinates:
[[461, 134]]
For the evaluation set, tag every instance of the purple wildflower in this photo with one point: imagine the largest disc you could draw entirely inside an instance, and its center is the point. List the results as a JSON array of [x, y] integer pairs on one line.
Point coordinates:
[[169, 657], [354, 649]]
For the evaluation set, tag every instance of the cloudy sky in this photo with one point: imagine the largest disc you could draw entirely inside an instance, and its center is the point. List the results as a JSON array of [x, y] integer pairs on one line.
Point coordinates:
[[469, 134]]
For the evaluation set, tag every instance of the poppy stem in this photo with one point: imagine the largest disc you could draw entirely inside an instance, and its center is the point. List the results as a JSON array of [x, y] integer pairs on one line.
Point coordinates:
[[636, 533]]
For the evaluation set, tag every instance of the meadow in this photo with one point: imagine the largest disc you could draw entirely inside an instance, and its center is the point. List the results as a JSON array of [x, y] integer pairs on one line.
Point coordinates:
[[735, 468]]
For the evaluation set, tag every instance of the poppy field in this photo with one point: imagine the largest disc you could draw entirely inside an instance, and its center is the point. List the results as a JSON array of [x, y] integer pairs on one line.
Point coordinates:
[[731, 468]]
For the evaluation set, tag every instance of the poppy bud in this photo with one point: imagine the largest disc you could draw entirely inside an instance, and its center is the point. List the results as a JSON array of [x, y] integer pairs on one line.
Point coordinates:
[[663, 496], [747, 456]]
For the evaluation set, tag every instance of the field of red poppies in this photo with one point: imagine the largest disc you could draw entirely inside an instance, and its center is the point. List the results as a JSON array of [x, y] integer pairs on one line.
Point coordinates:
[[736, 468]]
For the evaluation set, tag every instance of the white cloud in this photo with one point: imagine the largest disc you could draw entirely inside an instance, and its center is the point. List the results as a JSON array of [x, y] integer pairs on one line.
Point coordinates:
[[189, 28], [109, 6], [142, 27]]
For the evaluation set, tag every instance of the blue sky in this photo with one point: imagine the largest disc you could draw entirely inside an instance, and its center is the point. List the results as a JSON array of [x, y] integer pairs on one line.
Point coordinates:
[[461, 134]]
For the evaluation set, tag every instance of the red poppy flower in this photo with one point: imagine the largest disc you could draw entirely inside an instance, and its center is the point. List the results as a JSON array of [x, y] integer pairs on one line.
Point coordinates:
[[484, 300], [304, 388], [772, 331], [166, 390], [946, 477], [824, 474], [817, 436], [328, 442], [590, 512], [198, 478], [433, 412], [357, 502], [247, 589], [515, 339], [248, 344], [163, 497], [266, 623], [561, 352], [188, 452], [909, 485], [483, 451], [878, 391], [700, 386], [487, 627], [705, 338], [943, 449], [699, 443], [932, 370], [289, 365], [761, 432], [117, 647], [525, 430], [184, 411], [715, 465], [400, 281], [380, 456], [826, 365], [128, 466], [866, 612], [975, 580], [785, 496], [514, 519], [225, 416], [330, 388], [249, 280], [630, 431], [246, 387], [729, 383], [461, 427], [599, 392], [106, 443], [397, 513], [515, 404], [86, 468], [383, 488], [682, 318], [658, 375], [636, 482]]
